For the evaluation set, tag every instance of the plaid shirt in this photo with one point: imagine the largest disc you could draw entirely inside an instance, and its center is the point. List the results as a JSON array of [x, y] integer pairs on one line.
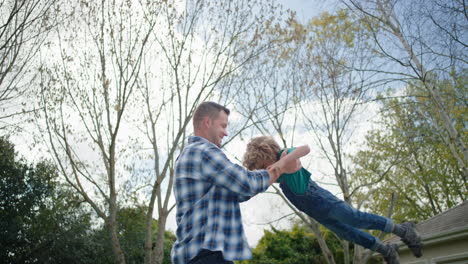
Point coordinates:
[[208, 189]]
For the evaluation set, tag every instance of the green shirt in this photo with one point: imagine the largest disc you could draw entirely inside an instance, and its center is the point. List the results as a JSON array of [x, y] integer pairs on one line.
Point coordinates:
[[297, 181]]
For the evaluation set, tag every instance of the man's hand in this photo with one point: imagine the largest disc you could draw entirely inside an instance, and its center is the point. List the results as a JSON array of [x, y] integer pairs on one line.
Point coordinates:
[[288, 163]]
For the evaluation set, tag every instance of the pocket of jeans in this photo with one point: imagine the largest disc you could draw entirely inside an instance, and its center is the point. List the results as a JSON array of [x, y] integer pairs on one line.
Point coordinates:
[[312, 187]]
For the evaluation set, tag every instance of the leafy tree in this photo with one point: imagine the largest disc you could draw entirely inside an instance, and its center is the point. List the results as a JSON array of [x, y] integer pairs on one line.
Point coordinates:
[[131, 233], [299, 245], [426, 176], [132, 223], [421, 40], [43, 221], [24, 27], [40, 220]]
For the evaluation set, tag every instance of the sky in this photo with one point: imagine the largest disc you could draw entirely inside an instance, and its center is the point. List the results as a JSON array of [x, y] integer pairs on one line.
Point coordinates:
[[306, 9]]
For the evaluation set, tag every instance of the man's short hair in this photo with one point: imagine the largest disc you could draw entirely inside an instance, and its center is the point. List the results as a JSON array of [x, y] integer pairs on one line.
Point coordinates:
[[210, 109]]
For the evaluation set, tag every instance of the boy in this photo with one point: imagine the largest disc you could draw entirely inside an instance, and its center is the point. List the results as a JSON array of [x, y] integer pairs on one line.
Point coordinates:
[[327, 209]]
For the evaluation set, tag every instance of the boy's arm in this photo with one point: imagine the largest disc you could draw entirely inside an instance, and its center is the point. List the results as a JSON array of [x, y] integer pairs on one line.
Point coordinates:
[[288, 163]]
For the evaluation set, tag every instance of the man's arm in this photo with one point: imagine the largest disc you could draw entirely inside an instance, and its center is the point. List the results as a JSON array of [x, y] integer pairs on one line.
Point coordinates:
[[218, 169]]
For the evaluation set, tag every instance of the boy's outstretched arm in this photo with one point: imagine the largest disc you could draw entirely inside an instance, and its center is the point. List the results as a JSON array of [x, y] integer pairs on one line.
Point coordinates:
[[297, 153], [288, 163]]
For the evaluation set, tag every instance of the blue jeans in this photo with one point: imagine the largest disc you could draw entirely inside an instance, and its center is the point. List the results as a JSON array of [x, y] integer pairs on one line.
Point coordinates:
[[337, 215], [209, 257]]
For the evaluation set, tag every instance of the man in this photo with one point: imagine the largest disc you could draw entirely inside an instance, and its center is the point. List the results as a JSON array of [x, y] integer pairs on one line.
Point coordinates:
[[208, 189]]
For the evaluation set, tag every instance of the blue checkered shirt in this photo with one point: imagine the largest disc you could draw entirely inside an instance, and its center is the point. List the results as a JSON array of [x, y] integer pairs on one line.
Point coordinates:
[[208, 189]]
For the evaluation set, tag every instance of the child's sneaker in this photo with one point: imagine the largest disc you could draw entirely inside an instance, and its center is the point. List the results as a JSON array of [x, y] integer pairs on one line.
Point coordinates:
[[392, 256], [412, 239]]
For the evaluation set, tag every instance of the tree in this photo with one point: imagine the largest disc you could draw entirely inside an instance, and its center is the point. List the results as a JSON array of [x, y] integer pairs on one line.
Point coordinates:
[[131, 226], [24, 27], [315, 88], [85, 95], [330, 92], [40, 220], [298, 245], [426, 176], [422, 42], [106, 122], [335, 93], [275, 86]]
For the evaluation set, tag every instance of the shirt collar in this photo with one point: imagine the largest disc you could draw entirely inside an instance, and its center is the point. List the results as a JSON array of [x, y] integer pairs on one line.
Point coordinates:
[[194, 139]]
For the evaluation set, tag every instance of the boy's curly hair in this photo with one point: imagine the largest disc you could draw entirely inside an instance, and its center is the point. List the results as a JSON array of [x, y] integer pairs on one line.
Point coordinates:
[[260, 151]]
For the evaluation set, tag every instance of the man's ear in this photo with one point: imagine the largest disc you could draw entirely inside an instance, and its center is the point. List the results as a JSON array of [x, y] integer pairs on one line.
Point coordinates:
[[207, 122]]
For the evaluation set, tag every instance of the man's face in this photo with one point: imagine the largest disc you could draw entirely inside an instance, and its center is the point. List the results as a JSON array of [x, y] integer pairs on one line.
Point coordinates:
[[217, 128]]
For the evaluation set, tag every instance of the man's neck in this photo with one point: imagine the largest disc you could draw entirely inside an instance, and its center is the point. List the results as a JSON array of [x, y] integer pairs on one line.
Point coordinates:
[[200, 134]]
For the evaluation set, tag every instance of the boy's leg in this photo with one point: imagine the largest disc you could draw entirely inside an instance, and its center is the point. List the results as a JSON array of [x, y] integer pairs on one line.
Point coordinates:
[[357, 236], [344, 213], [318, 205], [321, 204]]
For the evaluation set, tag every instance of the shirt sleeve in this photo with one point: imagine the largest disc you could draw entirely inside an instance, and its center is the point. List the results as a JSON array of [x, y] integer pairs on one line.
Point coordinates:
[[219, 170]]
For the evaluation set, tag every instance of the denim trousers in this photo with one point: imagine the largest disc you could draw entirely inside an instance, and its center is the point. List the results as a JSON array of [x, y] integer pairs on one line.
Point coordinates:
[[209, 257], [337, 215]]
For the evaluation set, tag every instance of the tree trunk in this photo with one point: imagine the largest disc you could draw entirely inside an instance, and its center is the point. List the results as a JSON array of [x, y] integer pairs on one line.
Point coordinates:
[[323, 245], [118, 253], [149, 232], [346, 251], [158, 250]]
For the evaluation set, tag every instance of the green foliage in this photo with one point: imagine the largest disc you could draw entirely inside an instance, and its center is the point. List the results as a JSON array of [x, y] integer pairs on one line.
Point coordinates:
[[40, 221], [341, 26], [131, 228], [413, 147], [43, 221], [297, 246], [131, 233]]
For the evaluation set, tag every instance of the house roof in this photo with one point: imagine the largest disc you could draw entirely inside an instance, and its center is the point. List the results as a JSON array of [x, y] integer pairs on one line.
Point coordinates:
[[455, 217], [452, 219]]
